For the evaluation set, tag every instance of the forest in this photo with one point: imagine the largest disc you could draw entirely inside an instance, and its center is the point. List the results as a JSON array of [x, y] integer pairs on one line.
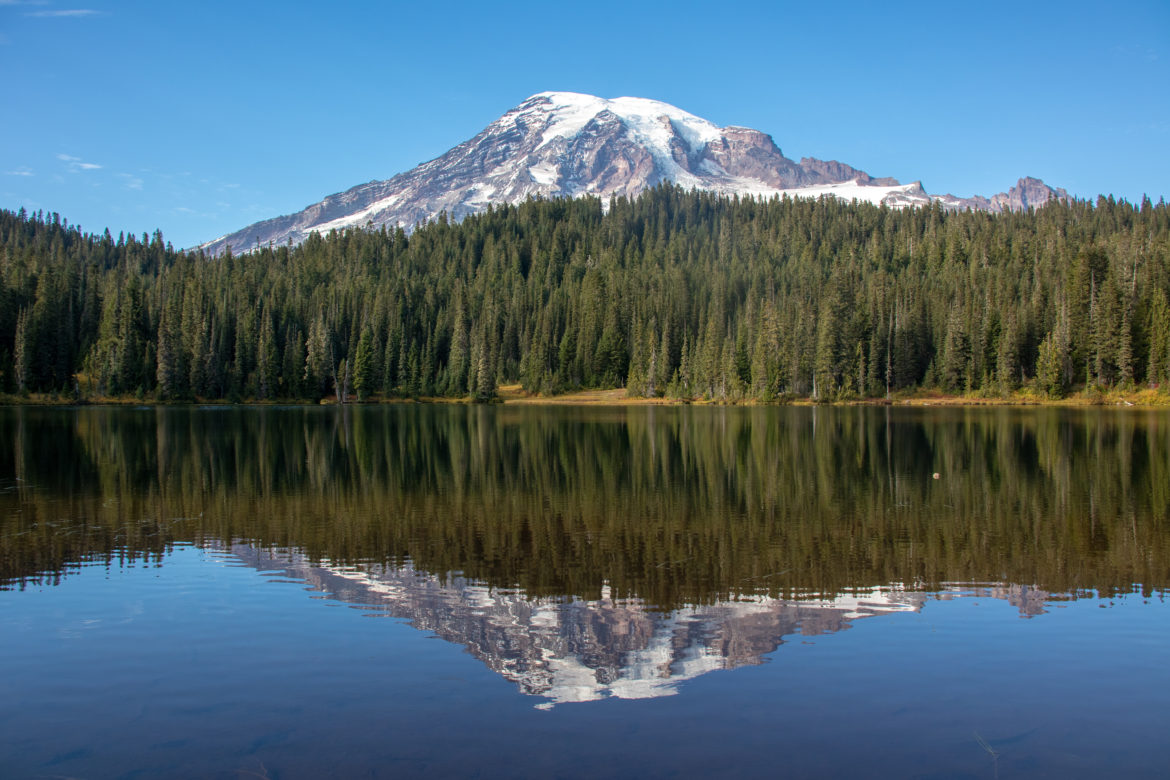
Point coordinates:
[[676, 293]]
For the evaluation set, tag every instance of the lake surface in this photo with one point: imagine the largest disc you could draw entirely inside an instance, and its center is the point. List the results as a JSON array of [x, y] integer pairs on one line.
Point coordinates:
[[565, 592]]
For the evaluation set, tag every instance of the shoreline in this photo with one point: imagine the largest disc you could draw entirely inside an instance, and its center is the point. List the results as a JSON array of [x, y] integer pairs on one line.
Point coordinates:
[[1146, 399], [514, 395]]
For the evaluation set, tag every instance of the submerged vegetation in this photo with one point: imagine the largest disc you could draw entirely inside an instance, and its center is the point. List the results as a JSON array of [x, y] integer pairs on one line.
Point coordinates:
[[679, 294]]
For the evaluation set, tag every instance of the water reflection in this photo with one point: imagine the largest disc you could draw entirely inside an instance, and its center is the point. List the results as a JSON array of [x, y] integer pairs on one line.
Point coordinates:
[[578, 650], [676, 507], [583, 554]]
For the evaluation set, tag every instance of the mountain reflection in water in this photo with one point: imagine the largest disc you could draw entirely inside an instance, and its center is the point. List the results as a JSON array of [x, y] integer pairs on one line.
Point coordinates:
[[183, 592], [578, 650]]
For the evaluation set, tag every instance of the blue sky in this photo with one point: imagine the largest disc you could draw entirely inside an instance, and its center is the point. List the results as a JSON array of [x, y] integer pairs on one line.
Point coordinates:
[[198, 118]]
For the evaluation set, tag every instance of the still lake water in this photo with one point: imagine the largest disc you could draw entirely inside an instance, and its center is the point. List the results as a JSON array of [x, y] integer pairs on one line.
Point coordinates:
[[563, 592]]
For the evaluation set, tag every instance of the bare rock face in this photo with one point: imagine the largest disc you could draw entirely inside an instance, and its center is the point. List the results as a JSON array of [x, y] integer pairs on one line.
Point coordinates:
[[563, 144], [747, 153], [1028, 193], [831, 170]]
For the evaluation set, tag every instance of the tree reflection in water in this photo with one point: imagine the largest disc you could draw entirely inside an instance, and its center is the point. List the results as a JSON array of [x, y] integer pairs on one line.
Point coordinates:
[[676, 507]]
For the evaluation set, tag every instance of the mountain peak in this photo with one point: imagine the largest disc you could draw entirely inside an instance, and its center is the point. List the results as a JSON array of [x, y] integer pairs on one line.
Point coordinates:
[[650, 122], [575, 106], [569, 144]]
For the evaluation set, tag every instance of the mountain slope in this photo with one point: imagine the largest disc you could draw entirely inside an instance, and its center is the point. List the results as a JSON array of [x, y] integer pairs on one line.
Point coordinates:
[[564, 144]]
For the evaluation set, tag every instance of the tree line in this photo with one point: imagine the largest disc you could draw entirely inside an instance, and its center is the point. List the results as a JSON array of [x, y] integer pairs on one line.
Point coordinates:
[[675, 293]]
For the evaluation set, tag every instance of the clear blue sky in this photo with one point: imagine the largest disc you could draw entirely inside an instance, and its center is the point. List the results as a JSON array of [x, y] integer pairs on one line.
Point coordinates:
[[199, 118]]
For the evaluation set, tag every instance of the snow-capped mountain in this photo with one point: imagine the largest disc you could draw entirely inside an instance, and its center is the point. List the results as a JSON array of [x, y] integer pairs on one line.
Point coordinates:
[[564, 144], [575, 650]]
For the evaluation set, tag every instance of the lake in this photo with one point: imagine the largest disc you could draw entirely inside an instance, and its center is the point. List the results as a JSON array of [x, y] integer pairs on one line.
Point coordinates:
[[447, 590]]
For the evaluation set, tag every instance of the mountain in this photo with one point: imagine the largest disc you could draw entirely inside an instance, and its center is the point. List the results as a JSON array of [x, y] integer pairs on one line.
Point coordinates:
[[1028, 193], [564, 144]]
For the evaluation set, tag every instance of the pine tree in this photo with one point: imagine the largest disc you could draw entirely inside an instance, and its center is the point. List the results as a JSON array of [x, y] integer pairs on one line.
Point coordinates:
[[825, 374], [267, 360], [292, 370], [1054, 363], [170, 371], [128, 369], [319, 368], [23, 354], [485, 383], [1158, 329], [363, 370], [765, 366], [1007, 356], [956, 357], [457, 362]]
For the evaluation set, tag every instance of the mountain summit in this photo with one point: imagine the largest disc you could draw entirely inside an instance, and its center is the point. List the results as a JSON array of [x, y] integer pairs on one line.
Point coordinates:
[[564, 144]]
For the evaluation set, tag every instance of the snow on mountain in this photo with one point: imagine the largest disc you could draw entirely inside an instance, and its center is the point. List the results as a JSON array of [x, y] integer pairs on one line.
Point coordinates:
[[565, 650], [565, 144], [571, 649]]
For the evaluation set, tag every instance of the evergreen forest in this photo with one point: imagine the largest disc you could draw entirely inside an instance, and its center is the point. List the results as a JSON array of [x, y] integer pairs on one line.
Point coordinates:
[[676, 293]]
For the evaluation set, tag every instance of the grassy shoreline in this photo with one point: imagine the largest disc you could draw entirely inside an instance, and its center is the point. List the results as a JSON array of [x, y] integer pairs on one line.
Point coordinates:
[[514, 395], [1144, 398]]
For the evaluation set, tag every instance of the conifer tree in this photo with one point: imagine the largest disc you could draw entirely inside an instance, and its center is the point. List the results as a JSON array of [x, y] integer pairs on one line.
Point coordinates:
[[319, 368], [22, 362], [1158, 360], [363, 370], [170, 372], [293, 367], [458, 359], [1054, 362], [267, 360]]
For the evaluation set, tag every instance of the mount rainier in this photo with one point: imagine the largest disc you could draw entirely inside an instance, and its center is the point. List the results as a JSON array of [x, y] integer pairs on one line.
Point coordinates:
[[564, 144]]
